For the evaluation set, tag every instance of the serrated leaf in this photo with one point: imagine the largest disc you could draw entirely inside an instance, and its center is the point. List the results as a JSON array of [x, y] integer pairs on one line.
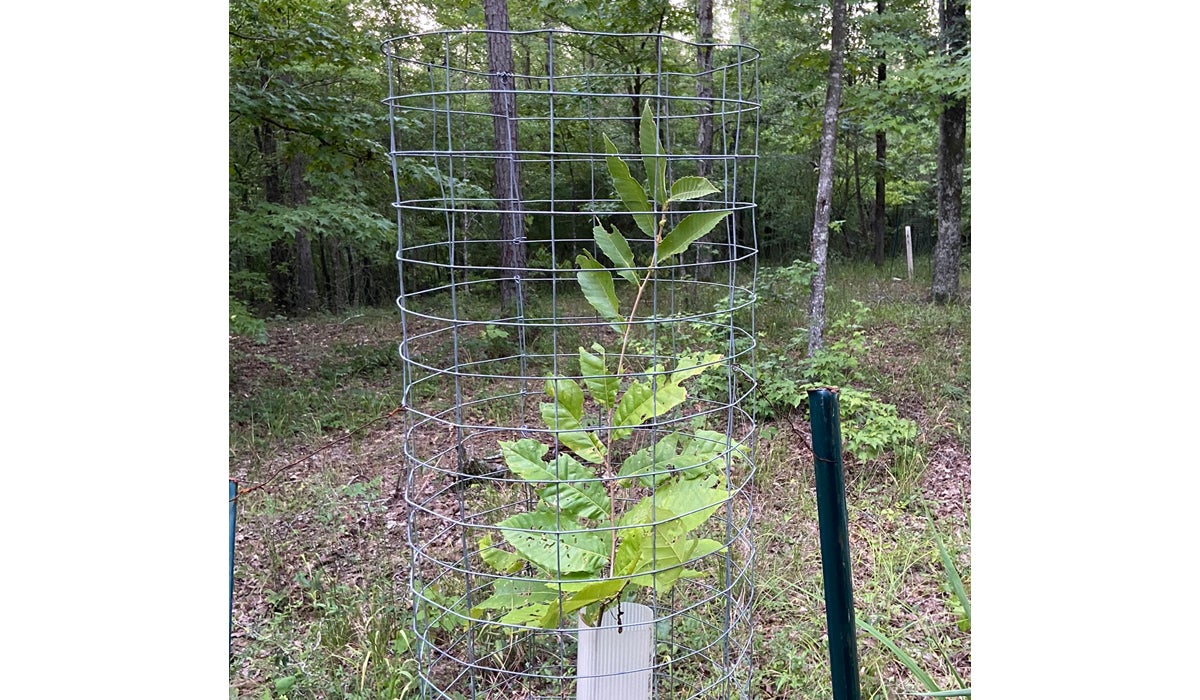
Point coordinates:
[[574, 494], [617, 249], [691, 187], [689, 366], [657, 458], [689, 501], [511, 594], [565, 416], [664, 557], [499, 559], [629, 190], [530, 615], [594, 369], [563, 553], [597, 285], [692, 227], [572, 489], [653, 157], [640, 402]]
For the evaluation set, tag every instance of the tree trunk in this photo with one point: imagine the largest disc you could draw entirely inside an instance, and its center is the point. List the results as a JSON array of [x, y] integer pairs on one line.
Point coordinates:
[[878, 220], [306, 278], [280, 253], [820, 236], [704, 136], [952, 139], [507, 167]]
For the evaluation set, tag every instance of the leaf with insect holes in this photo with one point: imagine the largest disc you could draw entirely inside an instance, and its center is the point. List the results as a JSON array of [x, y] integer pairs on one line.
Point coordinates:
[[689, 502], [511, 594], [498, 559], [536, 536], [629, 190], [617, 249], [597, 285], [691, 187], [692, 227], [572, 488], [653, 157]]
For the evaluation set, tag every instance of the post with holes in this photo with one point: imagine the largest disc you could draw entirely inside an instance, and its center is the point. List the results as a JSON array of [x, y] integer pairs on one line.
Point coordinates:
[[233, 489], [835, 543]]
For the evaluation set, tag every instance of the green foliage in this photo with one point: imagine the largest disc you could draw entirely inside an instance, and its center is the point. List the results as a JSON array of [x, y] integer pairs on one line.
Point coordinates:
[[584, 551], [244, 323], [963, 602]]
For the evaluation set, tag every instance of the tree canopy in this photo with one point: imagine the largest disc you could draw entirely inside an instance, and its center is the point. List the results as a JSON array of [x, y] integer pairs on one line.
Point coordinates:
[[311, 222]]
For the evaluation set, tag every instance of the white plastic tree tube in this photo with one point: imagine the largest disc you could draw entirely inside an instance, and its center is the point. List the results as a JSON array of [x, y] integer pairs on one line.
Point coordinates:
[[617, 661]]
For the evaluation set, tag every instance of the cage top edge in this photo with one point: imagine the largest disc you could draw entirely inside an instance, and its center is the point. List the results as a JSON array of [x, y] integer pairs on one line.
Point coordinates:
[[387, 43]]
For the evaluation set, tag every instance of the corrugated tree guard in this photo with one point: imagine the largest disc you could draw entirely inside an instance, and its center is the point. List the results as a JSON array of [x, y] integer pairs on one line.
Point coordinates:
[[578, 458], [835, 543]]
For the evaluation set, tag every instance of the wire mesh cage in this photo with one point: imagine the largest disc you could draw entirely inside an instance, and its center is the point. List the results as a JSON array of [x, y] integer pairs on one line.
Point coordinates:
[[577, 261]]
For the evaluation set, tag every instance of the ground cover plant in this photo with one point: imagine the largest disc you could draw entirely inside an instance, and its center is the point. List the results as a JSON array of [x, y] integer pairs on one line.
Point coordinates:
[[321, 605]]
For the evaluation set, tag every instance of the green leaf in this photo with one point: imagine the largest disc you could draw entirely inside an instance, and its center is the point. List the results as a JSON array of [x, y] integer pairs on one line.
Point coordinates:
[[688, 503], [691, 187], [908, 661], [552, 551], [594, 369], [653, 157], [597, 285], [498, 559], [617, 249], [689, 366], [565, 416], [570, 489], [663, 559], [511, 594], [530, 615], [657, 458], [629, 190], [574, 495], [629, 552], [594, 593], [640, 402], [956, 584], [692, 227]]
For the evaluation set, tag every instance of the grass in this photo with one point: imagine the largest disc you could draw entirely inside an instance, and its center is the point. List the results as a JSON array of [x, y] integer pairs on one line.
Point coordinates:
[[321, 602]]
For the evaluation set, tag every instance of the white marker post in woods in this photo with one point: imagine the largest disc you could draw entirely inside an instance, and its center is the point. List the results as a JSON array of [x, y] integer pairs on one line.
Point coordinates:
[[908, 249]]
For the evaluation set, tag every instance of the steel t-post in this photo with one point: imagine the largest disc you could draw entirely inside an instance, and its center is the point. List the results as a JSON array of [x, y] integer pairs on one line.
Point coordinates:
[[835, 543], [232, 530]]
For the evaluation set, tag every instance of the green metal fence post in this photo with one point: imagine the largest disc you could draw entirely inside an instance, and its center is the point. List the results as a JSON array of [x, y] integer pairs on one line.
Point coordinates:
[[835, 543], [232, 531]]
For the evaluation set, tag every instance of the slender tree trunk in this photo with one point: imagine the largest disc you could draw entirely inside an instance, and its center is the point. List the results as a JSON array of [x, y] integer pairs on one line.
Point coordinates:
[[280, 252], [860, 205], [306, 279], [704, 136], [507, 167], [952, 139], [820, 236], [879, 219]]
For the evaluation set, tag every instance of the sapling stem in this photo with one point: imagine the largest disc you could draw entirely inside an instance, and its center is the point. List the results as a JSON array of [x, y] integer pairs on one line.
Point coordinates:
[[611, 483]]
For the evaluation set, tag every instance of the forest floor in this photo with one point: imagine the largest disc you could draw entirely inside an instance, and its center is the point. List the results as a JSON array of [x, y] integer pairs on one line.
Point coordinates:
[[321, 602]]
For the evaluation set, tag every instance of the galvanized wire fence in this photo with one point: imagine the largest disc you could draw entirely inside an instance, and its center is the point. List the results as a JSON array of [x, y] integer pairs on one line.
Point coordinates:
[[576, 444]]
